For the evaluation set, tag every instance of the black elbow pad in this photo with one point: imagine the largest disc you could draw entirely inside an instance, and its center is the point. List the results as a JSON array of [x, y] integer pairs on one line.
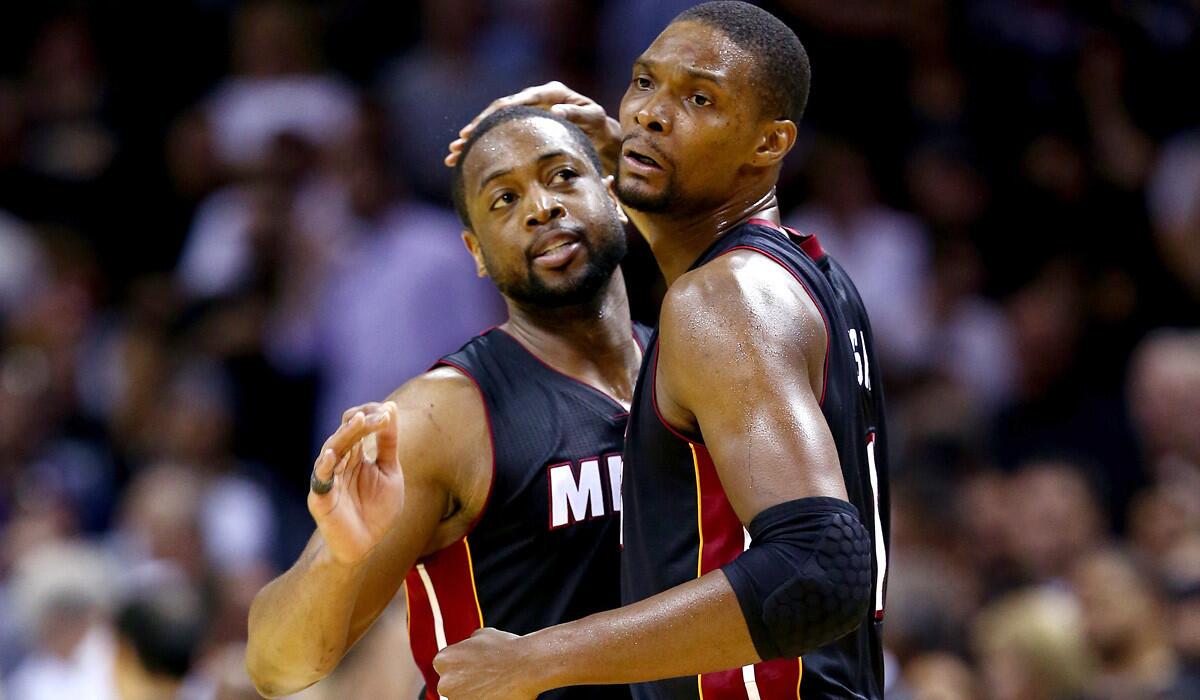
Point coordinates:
[[806, 579]]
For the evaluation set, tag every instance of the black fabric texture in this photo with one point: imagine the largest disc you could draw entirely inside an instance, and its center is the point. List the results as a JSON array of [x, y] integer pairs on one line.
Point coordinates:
[[805, 581]]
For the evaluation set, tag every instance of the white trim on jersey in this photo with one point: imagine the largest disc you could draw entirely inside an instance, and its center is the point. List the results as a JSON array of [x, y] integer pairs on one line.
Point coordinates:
[[880, 550], [439, 627]]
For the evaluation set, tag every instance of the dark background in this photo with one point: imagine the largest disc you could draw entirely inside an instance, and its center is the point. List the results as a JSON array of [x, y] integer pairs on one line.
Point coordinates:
[[221, 222]]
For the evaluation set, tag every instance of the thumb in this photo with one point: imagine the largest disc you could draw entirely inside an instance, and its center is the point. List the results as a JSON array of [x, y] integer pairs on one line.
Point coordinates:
[[387, 439]]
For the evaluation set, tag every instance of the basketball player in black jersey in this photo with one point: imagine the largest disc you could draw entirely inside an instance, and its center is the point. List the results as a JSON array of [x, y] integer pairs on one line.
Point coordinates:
[[504, 512], [758, 406]]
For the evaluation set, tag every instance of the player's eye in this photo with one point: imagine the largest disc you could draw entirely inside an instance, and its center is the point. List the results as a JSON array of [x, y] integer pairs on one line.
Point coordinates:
[[503, 200], [700, 100], [565, 175], [641, 82]]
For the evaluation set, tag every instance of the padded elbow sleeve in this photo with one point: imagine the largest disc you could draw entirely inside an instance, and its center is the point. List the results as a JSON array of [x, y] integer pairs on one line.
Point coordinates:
[[806, 579]]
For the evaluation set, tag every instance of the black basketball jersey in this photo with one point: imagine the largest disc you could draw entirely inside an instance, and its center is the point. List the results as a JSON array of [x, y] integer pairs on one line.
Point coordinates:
[[678, 524], [545, 548]]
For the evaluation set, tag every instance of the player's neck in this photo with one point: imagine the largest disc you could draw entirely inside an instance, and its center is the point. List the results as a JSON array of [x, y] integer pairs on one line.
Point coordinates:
[[678, 239], [591, 342]]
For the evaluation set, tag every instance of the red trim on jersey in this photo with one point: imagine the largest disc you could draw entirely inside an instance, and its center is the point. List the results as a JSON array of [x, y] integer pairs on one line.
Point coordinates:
[[809, 244], [824, 320], [450, 571], [723, 685], [421, 638], [807, 241], [778, 678], [721, 536], [491, 438], [721, 541]]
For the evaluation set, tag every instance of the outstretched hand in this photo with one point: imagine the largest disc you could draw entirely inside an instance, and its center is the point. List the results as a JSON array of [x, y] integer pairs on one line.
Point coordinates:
[[368, 489], [584, 112]]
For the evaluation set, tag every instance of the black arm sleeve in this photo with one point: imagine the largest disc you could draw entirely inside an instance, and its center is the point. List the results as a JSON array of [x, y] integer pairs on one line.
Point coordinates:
[[805, 581]]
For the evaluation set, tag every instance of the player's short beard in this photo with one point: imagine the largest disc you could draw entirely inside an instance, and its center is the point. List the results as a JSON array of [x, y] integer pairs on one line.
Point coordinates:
[[637, 199], [603, 257]]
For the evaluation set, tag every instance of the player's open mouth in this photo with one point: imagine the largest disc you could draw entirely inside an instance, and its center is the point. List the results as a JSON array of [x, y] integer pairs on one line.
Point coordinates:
[[559, 252], [641, 161]]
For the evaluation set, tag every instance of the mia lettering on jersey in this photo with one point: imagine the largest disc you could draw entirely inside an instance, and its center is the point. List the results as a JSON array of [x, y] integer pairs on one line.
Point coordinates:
[[577, 490]]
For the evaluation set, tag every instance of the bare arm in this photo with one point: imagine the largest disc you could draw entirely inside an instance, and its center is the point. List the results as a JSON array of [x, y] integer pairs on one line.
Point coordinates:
[[741, 360], [302, 623]]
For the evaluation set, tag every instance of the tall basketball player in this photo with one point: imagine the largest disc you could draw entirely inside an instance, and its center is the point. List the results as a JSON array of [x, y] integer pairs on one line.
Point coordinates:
[[504, 511], [755, 488]]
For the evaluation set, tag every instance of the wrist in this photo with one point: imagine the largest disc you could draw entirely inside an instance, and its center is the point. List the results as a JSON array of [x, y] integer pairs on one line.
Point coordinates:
[[542, 655], [610, 150], [327, 564]]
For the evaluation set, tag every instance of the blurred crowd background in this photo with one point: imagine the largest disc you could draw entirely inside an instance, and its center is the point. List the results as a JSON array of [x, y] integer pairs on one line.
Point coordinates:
[[223, 222]]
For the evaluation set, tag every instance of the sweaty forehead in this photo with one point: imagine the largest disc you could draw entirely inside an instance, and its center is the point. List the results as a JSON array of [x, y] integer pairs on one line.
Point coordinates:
[[515, 144], [697, 46]]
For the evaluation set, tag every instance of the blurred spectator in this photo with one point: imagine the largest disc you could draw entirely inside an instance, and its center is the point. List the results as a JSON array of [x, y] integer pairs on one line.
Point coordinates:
[[277, 86], [938, 676], [1031, 646], [65, 95], [396, 291], [1173, 198], [1159, 519], [1053, 518], [60, 596], [158, 522], [1165, 396], [1182, 574], [885, 251], [433, 89], [1126, 630], [22, 265], [158, 632]]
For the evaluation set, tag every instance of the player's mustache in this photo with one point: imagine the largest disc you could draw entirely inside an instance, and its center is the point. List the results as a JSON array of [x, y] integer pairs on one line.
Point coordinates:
[[548, 230], [647, 149]]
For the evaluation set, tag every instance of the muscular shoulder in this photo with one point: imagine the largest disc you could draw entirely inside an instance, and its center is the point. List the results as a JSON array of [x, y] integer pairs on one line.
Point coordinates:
[[747, 296], [440, 390], [444, 431]]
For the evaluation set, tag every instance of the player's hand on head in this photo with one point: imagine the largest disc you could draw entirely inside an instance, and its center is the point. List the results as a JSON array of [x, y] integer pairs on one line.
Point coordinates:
[[357, 485], [559, 99], [485, 666]]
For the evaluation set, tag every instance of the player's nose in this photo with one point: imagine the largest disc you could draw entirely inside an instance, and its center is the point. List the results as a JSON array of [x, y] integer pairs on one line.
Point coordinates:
[[545, 209], [652, 117]]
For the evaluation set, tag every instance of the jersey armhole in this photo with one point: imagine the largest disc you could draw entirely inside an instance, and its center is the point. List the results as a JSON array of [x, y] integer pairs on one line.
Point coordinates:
[[658, 412], [487, 414]]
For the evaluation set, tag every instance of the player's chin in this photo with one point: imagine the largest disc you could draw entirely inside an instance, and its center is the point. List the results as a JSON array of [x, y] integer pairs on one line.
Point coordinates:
[[640, 195], [568, 288]]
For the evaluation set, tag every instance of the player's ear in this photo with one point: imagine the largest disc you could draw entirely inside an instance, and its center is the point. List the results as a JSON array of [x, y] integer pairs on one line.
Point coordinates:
[[774, 142], [610, 188], [471, 241]]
